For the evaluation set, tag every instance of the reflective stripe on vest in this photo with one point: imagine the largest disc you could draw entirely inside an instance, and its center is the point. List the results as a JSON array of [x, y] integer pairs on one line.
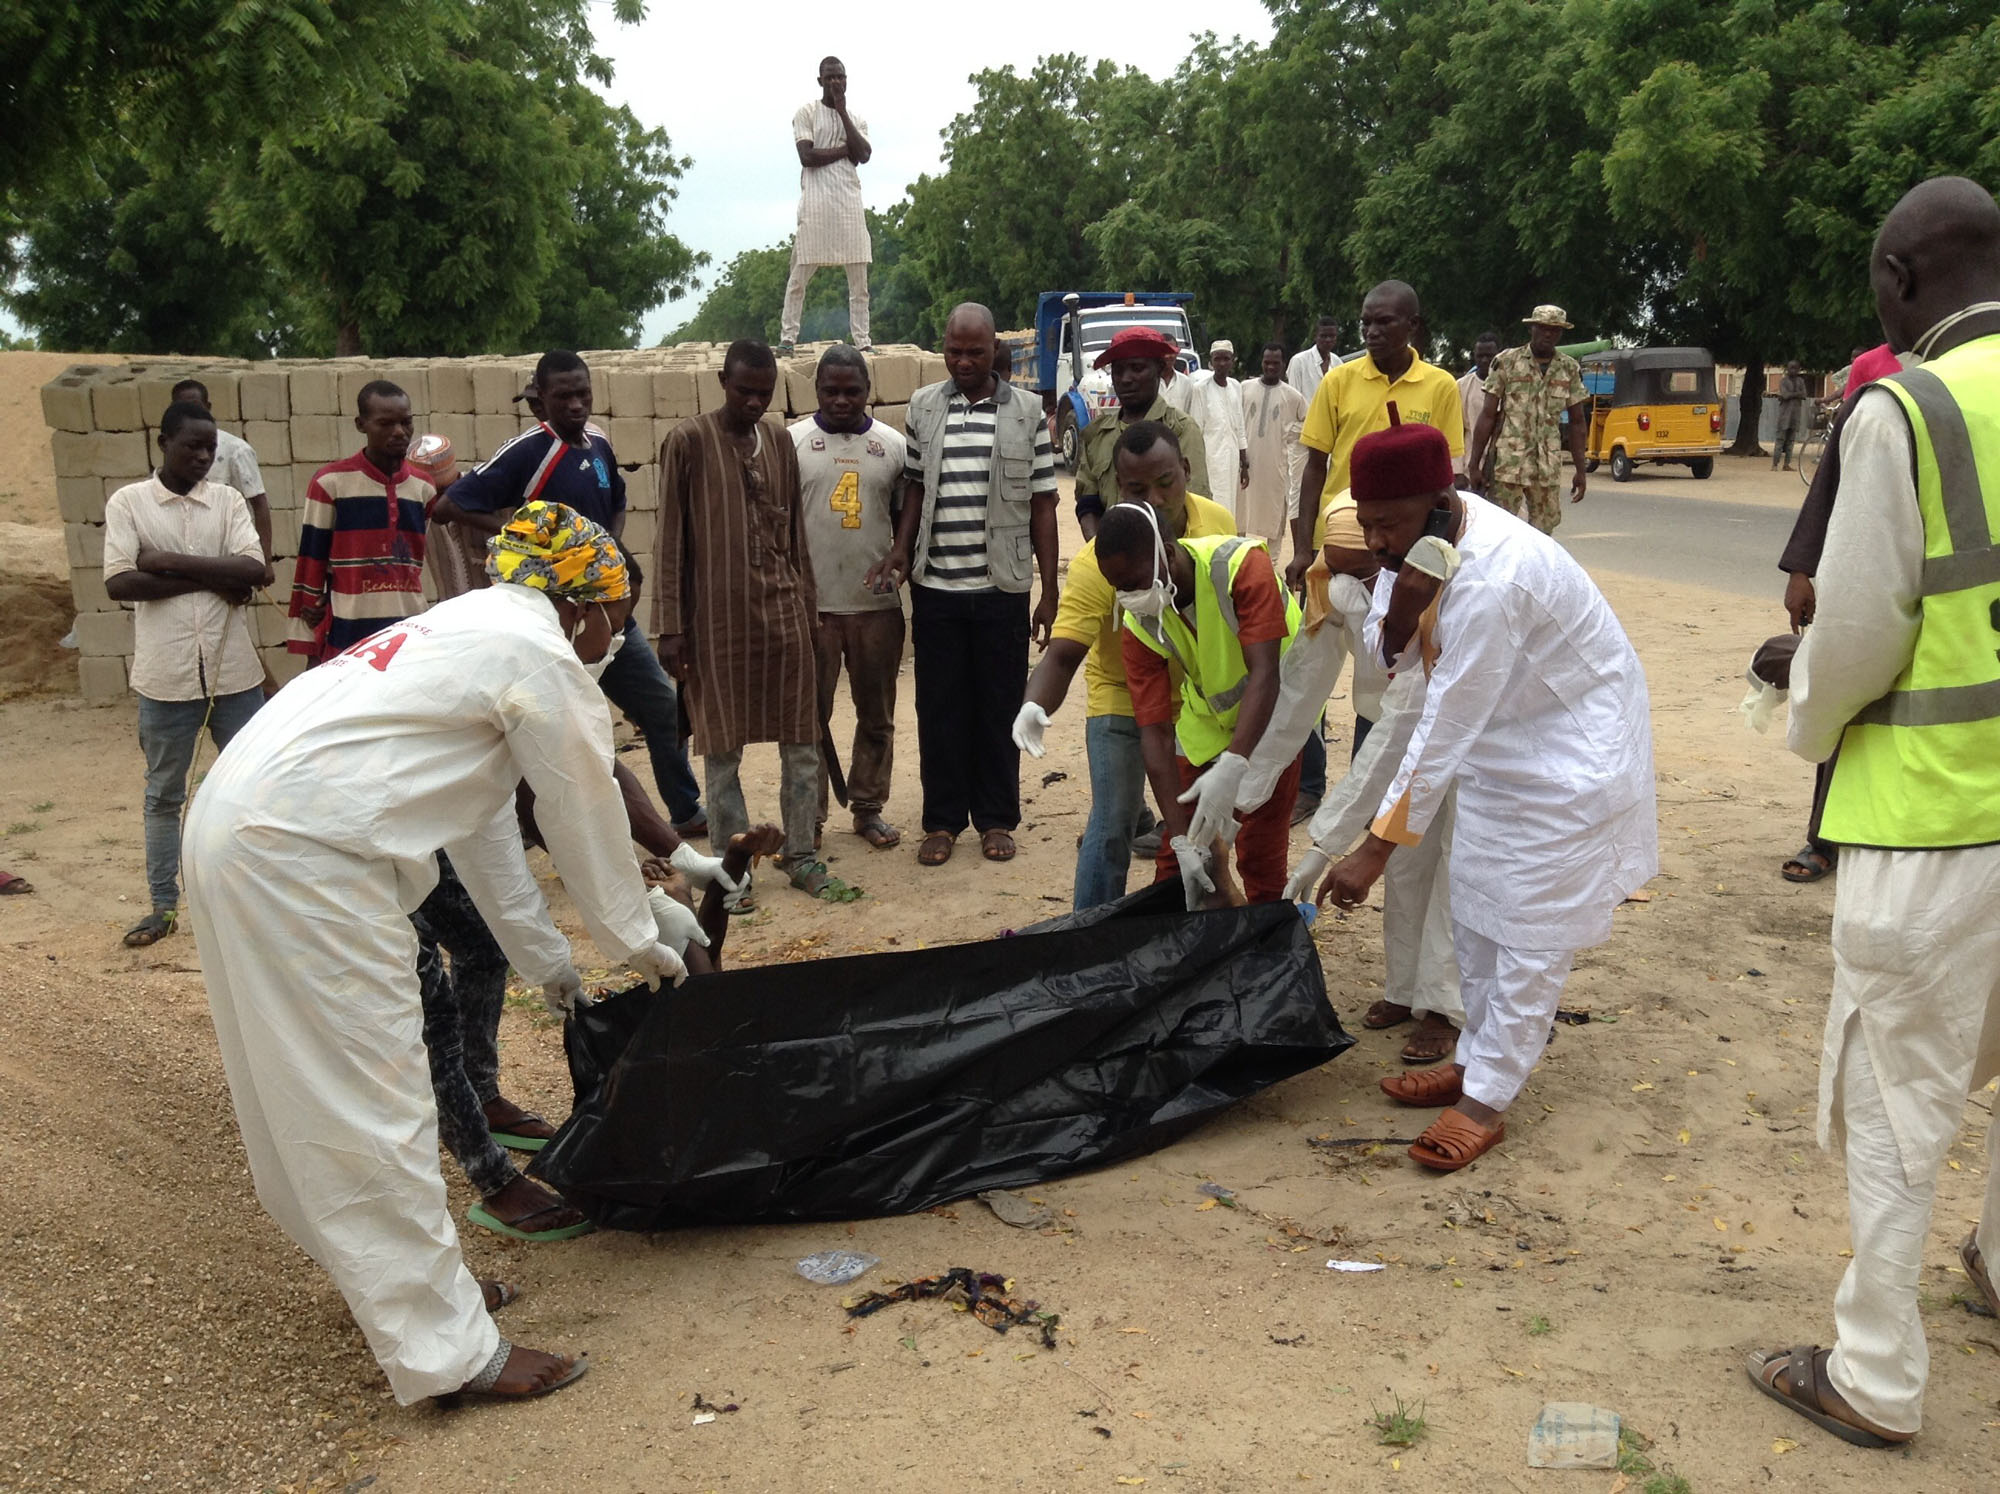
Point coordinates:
[[1210, 654], [1919, 768]]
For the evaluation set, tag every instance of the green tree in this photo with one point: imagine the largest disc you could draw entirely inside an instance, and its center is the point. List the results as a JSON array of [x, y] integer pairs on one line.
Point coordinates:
[[82, 74]]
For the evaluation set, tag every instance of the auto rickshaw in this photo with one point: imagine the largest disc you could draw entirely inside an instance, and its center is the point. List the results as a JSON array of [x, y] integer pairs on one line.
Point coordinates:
[[1653, 405]]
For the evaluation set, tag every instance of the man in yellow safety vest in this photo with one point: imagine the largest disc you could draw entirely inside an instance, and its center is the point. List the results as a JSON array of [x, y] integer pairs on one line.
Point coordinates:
[[1899, 672]]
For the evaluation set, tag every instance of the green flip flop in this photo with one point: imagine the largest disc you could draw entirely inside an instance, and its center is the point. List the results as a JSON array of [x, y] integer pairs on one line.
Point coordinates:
[[484, 1217], [516, 1141]]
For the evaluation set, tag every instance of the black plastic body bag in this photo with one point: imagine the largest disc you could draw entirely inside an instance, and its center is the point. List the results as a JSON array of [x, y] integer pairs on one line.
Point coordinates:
[[887, 1083]]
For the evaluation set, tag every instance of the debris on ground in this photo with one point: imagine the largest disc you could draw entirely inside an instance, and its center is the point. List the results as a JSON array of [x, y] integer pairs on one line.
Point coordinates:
[[1054, 776], [1573, 1019], [1574, 1434], [1356, 1266], [1022, 1213], [982, 1294], [835, 1268], [1219, 1194]]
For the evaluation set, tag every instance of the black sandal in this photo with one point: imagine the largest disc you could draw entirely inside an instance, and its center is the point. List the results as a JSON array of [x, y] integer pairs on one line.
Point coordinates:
[[1812, 864], [151, 929]]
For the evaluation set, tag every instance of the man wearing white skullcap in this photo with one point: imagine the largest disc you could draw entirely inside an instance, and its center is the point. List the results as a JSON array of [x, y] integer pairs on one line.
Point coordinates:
[[1215, 400]]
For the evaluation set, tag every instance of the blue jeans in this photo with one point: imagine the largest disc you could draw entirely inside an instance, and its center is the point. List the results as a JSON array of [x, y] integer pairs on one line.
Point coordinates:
[[639, 687], [169, 732], [1117, 795], [1312, 764]]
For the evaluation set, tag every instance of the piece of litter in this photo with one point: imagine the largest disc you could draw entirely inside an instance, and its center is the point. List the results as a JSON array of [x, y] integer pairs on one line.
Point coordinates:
[[704, 1418], [1573, 1434], [1782, 1445], [1220, 1194], [1356, 1266], [1021, 1213], [832, 1268]]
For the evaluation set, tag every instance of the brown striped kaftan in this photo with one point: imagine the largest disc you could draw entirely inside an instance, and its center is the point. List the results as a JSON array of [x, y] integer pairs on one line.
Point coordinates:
[[734, 576]]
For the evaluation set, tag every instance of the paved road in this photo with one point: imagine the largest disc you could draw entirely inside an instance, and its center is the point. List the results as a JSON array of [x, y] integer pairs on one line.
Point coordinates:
[[1643, 528]]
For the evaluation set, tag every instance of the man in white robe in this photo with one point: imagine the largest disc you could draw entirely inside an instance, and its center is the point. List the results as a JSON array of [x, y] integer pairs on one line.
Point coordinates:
[[833, 228], [1422, 971], [1537, 713], [1273, 415], [1310, 365], [1898, 672], [1215, 400], [1472, 395]]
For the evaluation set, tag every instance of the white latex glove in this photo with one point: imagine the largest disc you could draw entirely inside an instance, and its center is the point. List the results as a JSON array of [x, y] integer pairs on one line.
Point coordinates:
[[1029, 724], [699, 869], [1214, 799], [1195, 880], [1433, 557], [1306, 877], [657, 964], [675, 920], [564, 994]]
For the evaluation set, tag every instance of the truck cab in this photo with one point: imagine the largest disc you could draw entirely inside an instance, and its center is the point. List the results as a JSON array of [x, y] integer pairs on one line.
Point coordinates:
[[1072, 328]]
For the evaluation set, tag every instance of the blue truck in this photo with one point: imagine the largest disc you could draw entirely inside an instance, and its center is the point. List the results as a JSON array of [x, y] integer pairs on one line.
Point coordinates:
[[1072, 328]]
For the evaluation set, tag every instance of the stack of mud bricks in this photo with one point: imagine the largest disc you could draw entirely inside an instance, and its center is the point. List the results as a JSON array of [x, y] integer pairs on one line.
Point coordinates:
[[299, 415]]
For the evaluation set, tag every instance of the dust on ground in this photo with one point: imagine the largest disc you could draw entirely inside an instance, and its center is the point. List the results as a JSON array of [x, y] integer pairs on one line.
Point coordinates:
[[1659, 1209]]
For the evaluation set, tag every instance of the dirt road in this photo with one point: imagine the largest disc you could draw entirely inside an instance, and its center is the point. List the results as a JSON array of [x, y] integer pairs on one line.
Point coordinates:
[[1659, 1209]]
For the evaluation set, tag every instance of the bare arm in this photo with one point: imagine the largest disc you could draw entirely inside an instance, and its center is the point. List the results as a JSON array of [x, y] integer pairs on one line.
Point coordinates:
[[225, 574], [1260, 697], [858, 149], [1579, 453], [1042, 534], [1049, 684], [816, 155], [1482, 434], [140, 586], [1156, 747], [1311, 482], [649, 827], [444, 511]]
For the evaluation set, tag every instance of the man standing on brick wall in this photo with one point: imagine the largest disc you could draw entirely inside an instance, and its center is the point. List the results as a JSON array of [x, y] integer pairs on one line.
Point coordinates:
[[565, 459], [833, 228], [183, 551], [360, 565], [851, 484], [236, 466]]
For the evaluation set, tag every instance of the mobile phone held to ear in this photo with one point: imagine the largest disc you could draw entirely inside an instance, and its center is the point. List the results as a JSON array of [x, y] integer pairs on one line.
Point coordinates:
[[1441, 523]]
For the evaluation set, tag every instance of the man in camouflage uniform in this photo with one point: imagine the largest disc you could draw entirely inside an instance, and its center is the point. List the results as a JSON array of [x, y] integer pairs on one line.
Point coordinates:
[[1527, 391]]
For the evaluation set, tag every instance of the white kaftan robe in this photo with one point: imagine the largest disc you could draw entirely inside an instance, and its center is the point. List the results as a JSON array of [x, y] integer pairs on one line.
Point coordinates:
[[308, 846], [1305, 370], [1914, 1021], [1218, 410], [833, 228], [1273, 416]]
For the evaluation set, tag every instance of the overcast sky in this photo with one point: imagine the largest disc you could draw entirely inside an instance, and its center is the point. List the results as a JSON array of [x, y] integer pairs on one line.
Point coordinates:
[[725, 82]]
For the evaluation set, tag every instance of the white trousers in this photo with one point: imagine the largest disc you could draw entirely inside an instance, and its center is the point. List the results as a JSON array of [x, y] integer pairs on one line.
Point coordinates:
[[1510, 1005], [795, 303], [310, 963], [1422, 966], [1914, 1024]]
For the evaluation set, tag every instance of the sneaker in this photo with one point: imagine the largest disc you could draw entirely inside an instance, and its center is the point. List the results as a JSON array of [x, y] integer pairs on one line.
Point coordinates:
[[1146, 847], [1305, 809]]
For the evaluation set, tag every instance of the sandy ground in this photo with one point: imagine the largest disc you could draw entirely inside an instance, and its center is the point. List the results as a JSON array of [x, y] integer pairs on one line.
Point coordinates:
[[1660, 1207]]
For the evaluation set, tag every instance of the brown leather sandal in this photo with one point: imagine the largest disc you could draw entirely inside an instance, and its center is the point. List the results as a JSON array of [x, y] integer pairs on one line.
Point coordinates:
[[1425, 1088], [1385, 1014], [996, 845], [1797, 1378], [1975, 1268], [936, 848], [1434, 1041], [1453, 1140]]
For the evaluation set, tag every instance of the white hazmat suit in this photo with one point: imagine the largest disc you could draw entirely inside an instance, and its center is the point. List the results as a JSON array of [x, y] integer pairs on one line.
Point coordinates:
[[306, 850]]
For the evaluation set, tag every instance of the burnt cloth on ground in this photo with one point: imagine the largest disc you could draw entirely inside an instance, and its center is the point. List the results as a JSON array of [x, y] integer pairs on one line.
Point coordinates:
[[886, 1083]]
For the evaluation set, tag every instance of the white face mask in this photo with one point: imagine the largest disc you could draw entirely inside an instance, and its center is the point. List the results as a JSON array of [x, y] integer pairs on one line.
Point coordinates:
[[1921, 349], [595, 668], [1151, 604]]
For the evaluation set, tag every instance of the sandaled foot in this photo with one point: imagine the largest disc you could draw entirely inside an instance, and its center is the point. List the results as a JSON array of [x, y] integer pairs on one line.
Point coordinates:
[[1808, 866], [517, 1129], [937, 847], [517, 1374], [810, 876], [1982, 1279], [1386, 1014], [996, 845], [1797, 1378], [1434, 1041], [1425, 1088], [1455, 1139], [151, 929], [527, 1210], [877, 831], [497, 1293]]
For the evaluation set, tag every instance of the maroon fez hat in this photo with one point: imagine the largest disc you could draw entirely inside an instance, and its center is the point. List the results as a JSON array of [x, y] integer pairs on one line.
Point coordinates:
[[1405, 461]]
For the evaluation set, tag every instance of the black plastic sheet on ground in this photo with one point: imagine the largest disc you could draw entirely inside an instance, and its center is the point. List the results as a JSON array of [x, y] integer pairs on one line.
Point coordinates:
[[886, 1083]]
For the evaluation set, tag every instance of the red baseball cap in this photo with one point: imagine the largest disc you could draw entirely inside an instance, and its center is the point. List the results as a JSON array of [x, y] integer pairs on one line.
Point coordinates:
[[1138, 342]]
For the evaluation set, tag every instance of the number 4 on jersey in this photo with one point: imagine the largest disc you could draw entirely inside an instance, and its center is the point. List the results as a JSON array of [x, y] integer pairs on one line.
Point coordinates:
[[846, 499]]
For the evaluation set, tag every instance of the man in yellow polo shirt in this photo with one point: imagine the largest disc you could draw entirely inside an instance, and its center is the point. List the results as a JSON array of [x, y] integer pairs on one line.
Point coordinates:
[[1086, 633], [1353, 400]]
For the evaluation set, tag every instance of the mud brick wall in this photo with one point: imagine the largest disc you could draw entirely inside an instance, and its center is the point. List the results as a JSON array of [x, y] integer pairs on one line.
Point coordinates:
[[298, 415]]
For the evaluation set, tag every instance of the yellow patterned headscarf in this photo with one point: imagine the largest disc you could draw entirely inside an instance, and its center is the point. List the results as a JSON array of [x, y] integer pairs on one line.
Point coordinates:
[[557, 550]]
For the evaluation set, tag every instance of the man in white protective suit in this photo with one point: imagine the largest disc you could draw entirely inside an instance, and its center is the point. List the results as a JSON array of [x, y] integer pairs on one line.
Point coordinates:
[[1421, 970], [307, 848], [1899, 673], [1537, 713]]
